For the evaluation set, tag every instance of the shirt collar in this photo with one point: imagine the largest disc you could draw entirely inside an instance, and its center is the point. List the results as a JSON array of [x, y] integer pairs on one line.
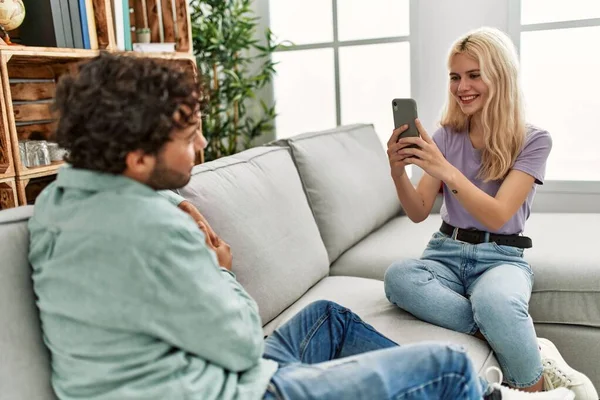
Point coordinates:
[[85, 179]]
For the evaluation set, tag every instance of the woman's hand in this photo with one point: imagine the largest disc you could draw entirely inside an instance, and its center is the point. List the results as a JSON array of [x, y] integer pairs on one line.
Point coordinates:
[[396, 159], [428, 157]]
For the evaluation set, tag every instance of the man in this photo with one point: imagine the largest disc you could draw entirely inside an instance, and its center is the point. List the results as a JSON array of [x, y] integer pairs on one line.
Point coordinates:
[[137, 303]]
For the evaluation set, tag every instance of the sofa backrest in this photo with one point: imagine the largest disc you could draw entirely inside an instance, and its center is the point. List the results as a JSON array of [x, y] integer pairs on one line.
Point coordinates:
[[24, 360], [254, 200], [346, 175]]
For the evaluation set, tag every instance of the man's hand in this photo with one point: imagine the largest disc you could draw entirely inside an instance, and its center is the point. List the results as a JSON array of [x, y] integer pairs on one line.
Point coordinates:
[[222, 249], [190, 209], [213, 241]]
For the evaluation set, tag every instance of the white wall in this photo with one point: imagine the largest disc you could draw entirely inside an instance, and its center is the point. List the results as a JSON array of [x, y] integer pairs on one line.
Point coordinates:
[[439, 24]]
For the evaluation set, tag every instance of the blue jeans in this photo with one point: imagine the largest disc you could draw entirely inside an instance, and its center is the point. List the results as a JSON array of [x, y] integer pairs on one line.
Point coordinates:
[[327, 352], [466, 287]]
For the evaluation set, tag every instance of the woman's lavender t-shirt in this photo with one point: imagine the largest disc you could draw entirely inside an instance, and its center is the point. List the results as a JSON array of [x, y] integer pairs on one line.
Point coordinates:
[[459, 151]]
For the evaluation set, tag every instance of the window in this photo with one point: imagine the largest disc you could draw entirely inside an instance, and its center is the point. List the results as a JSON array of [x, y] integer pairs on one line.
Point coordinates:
[[560, 59], [348, 60]]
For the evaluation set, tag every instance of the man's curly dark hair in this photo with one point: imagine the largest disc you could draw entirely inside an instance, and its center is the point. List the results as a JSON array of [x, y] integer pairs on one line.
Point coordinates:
[[115, 104]]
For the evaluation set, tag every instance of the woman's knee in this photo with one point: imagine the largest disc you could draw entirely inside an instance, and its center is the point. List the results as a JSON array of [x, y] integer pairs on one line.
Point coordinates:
[[401, 276], [494, 307]]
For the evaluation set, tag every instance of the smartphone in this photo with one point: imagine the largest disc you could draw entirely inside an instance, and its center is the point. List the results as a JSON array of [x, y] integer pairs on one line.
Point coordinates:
[[405, 112]]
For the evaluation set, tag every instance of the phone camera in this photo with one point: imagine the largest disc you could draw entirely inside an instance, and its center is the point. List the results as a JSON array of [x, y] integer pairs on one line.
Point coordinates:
[[395, 104]]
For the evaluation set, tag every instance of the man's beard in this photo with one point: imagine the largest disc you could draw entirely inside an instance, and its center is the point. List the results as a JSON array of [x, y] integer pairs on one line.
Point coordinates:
[[163, 177]]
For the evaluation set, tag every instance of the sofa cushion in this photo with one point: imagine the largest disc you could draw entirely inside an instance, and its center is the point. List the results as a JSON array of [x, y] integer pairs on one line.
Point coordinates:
[[346, 176], [366, 298], [24, 360], [566, 286], [254, 200], [566, 264], [398, 239]]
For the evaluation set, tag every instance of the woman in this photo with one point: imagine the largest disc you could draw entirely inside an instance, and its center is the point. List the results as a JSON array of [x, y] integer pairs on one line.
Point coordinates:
[[472, 277]]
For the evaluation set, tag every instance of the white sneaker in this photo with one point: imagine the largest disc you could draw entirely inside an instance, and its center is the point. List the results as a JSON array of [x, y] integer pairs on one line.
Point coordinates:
[[505, 393], [557, 373]]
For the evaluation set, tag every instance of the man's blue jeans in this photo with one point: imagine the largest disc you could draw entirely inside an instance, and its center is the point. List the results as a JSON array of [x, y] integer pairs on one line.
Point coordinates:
[[328, 352]]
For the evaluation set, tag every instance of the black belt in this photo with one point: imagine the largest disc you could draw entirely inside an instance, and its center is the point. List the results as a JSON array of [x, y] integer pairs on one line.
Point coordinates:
[[475, 237]]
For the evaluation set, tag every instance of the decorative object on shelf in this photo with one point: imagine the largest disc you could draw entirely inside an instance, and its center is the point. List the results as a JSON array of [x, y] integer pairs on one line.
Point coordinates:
[[143, 35], [234, 66], [36, 153], [56, 153], [12, 14], [23, 152]]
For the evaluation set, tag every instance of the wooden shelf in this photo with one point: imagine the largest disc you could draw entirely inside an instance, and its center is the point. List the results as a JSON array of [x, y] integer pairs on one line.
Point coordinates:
[[29, 187], [38, 172], [43, 55], [7, 167], [31, 51], [8, 194]]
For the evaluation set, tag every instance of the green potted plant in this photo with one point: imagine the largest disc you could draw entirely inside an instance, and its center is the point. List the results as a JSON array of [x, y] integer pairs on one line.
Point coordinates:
[[234, 65]]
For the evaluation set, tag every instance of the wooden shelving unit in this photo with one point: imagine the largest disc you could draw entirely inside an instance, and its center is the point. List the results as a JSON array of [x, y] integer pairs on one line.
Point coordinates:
[[28, 77], [7, 167], [8, 193]]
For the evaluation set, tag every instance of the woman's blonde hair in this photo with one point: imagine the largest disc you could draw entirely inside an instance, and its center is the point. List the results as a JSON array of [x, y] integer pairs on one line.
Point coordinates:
[[502, 116]]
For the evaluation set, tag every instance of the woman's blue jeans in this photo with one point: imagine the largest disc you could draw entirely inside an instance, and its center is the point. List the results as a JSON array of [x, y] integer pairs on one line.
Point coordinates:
[[467, 287]]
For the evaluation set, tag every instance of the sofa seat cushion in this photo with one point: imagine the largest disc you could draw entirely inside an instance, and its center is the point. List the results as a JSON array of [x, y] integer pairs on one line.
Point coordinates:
[[566, 286], [255, 201], [398, 239], [366, 298], [346, 175], [24, 360]]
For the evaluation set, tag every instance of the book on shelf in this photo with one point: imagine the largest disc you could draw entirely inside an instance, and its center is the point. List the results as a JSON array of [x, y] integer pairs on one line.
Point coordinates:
[[118, 18], [62, 18], [43, 24], [76, 24], [59, 23], [127, 24], [88, 7]]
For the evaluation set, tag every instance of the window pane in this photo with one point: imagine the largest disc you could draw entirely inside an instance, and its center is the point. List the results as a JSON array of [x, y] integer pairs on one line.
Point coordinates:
[[370, 77], [362, 19], [561, 90], [540, 11], [302, 22], [304, 91]]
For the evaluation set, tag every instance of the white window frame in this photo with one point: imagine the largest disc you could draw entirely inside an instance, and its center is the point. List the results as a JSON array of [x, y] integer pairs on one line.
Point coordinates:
[[336, 44], [573, 196]]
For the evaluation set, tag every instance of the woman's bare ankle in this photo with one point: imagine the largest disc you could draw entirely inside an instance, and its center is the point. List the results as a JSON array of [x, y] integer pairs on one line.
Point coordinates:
[[537, 387]]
